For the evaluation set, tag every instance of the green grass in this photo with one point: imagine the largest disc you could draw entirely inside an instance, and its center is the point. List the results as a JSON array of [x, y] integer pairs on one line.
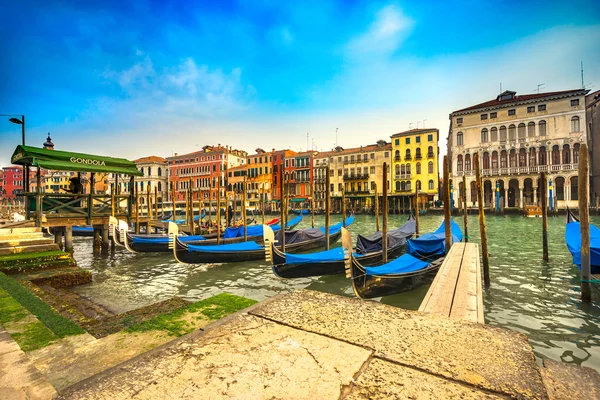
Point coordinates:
[[27, 256], [58, 324], [34, 336], [213, 308]]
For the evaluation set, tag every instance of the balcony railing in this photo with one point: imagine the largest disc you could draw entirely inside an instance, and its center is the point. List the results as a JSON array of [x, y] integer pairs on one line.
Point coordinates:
[[405, 190], [364, 192], [397, 158], [351, 177], [418, 157], [402, 176], [534, 169], [430, 155], [408, 157]]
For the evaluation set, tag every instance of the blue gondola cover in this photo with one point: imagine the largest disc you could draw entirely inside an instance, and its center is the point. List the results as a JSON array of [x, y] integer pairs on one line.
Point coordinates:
[[336, 254], [221, 248], [403, 264], [397, 237], [336, 227], [433, 244], [252, 230], [573, 239]]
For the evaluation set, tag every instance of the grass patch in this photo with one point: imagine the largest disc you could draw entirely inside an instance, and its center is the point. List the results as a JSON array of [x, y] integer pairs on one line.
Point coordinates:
[[10, 309], [34, 336], [59, 325], [213, 308], [34, 255]]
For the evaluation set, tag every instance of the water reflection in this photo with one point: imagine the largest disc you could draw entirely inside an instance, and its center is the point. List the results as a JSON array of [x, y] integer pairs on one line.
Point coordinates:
[[539, 299]]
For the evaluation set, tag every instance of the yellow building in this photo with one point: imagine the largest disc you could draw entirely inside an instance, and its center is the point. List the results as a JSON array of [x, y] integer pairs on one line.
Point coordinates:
[[260, 177], [415, 160]]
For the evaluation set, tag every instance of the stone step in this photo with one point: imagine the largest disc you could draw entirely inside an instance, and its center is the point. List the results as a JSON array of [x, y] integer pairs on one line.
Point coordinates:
[[4, 231], [17, 236], [28, 249], [25, 242], [569, 381]]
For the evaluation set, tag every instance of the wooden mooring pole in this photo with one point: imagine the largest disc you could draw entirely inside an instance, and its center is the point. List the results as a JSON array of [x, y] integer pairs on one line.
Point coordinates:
[[218, 210], [584, 223], [466, 219], [384, 229], [416, 208], [343, 205], [484, 246], [376, 197], [312, 203], [447, 223], [544, 202], [281, 209], [244, 211], [137, 211], [263, 199], [327, 200]]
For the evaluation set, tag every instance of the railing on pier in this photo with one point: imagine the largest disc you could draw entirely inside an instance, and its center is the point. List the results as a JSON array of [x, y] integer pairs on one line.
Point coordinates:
[[57, 206]]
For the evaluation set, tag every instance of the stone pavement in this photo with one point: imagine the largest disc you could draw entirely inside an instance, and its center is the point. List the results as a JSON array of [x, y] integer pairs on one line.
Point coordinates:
[[311, 345], [19, 379]]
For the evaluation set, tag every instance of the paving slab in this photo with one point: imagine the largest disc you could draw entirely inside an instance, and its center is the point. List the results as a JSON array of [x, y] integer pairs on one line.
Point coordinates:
[[482, 356], [243, 357], [19, 379], [570, 382], [386, 380]]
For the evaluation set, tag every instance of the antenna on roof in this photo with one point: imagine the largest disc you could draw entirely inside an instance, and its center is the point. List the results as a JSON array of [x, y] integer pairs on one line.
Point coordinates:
[[410, 125], [418, 122], [336, 142], [582, 84], [424, 123], [539, 86]]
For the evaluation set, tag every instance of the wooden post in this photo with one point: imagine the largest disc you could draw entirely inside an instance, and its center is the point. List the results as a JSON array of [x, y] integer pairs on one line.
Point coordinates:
[[384, 229], [327, 197], [156, 202], [218, 211], [543, 195], [97, 241], [343, 204], [137, 211], [69, 239], [281, 206], [244, 210], [312, 203], [38, 198], [376, 208], [187, 206], [263, 199], [584, 223], [447, 222], [416, 208], [148, 205], [104, 238], [484, 246], [466, 220], [58, 237], [112, 203], [173, 201], [191, 205]]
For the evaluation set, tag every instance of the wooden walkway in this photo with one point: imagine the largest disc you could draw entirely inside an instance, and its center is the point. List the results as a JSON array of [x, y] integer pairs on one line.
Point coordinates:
[[456, 290]]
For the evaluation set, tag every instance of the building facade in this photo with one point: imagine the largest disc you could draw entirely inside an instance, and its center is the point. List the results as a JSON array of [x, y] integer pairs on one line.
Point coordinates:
[[155, 170], [303, 179], [357, 171], [517, 138], [204, 170], [260, 179], [415, 162], [592, 117], [12, 183], [282, 160]]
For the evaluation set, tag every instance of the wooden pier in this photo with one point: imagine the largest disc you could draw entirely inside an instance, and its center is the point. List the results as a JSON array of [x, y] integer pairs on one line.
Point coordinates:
[[456, 290]]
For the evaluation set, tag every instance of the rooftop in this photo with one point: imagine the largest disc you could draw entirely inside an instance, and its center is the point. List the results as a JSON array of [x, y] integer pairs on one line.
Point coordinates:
[[415, 131], [510, 98], [150, 159], [362, 149]]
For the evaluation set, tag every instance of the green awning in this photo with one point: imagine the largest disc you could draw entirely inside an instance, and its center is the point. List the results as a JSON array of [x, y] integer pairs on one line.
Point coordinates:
[[57, 160], [298, 200]]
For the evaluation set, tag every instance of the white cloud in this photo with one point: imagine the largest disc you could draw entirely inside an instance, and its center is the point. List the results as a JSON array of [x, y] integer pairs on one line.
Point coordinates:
[[384, 36]]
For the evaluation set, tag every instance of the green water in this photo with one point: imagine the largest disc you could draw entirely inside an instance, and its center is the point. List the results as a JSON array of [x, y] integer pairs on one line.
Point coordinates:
[[541, 300]]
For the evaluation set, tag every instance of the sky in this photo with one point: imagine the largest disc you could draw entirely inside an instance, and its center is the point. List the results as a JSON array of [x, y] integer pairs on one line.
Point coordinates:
[[145, 77]]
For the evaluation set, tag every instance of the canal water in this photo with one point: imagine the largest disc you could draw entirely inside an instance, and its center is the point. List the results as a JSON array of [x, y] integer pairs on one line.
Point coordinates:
[[541, 300]]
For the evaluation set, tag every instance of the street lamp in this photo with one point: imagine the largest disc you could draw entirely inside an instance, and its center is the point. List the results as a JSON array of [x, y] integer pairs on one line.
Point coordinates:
[[18, 122]]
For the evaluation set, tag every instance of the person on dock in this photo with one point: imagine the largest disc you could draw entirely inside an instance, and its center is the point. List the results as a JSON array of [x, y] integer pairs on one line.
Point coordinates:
[[75, 187]]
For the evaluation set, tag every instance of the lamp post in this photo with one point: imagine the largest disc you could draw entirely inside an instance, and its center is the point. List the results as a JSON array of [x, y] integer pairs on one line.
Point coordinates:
[[21, 122]]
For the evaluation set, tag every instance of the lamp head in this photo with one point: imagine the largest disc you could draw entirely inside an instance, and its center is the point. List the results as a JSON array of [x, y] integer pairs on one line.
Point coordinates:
[[16, 121]]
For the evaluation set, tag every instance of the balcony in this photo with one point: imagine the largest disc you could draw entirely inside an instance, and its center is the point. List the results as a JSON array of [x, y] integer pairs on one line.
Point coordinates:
[[358, 192], [352, 177], [430, 155], [397, 158], [418, 157], [534, 169], [405, 190], [402, 176], [408, 157]]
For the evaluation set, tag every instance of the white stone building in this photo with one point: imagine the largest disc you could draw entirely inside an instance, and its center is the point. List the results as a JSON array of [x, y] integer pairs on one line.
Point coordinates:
[[517, 138]]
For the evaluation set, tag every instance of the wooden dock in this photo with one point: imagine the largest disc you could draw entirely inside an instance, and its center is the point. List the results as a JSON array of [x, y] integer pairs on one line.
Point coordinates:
[[456, 290]]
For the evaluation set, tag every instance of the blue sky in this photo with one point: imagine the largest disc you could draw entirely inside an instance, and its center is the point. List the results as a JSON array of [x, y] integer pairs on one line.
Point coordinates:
[[138, 78]]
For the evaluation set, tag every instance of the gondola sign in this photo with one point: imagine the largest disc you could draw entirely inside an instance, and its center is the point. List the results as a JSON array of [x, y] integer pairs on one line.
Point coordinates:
[[87, 161]]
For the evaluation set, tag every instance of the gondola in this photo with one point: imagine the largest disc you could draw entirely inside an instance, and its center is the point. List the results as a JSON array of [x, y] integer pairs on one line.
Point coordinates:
[[330, 262], [573, 239], [300, 212], [251, 250], [407, 272]]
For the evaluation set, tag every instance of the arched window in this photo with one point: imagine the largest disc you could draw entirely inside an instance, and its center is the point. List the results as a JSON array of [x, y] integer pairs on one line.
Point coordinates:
[[408, 169], [142, 170], [397, 155], [513, 158], [397, 169], [503, 159], [467, 163], [503, 134], [555, 155], [459, 139], [512, 130], [418, 168], [149, 171], [576, 153], [159, 186], [430, 152], [559, 186], [418, 153], [542, 128], [430, 167], [522, 158], [486, 160], [566, 154], [542, 160], [159, 171], [407, 154], [531, 129], [431, 184], [484, 135], [494, 160], [575, 124], [494, 134], [532, 158], [408, 185], [397, 186], [574, 188], [402, 169], [521, 131]]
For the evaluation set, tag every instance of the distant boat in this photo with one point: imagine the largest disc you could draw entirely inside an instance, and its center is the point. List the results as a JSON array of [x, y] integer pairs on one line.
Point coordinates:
[[424, 256], [369, 251], [303, 212], [573, 239]]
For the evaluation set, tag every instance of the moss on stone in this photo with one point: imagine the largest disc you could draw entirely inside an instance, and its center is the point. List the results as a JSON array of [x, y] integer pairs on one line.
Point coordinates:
[[213, 308], [34, 336]]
